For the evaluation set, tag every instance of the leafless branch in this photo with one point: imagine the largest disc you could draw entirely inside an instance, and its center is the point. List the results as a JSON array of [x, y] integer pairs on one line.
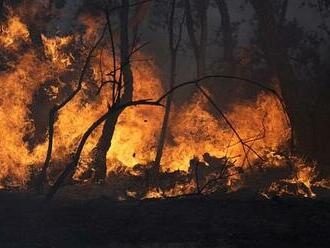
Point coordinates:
[[245, 80], [130, 5], [119, 107], [53, 112], [113, 48], [228, 122], [72, 166]]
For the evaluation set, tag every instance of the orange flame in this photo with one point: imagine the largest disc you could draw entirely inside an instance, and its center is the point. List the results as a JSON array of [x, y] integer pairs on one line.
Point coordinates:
[[13, 32], [194, 128]]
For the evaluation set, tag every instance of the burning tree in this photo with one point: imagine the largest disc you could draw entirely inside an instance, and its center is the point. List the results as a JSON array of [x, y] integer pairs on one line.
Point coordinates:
[[173, 46], [272, 25], [125, 85], [77, 111]]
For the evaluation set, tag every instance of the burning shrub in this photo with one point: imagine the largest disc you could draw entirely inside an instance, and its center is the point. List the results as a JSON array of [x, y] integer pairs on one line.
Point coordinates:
[[279, 174]]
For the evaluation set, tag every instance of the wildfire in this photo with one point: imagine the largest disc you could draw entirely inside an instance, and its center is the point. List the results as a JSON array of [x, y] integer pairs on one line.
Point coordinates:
[[13, 32], [194, 128], [18, 88], [53, 48]]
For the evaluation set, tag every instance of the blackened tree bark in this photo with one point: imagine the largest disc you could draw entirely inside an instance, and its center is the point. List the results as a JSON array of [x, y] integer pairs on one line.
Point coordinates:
[[276, 53], [228, 65], [104, 143], [173, 46], [2, 14], [199, 46], [228, 39], [1, 7]]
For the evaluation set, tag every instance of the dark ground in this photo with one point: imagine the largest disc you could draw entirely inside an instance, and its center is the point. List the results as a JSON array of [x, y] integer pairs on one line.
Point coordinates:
[[232, 221]]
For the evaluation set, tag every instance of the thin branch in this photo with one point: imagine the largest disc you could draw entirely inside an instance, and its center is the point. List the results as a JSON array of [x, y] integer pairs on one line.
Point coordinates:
[[190, 27], [123, 65], [101, 65], [228, 122], [130, 5], [245, 80], [263, 134], [72, 166], [53, 112], [113, 48], [138, 48], [112, 73], [135, 38], [180, 33], [119, 107], [171, 25], [260, 136], [82, 74]]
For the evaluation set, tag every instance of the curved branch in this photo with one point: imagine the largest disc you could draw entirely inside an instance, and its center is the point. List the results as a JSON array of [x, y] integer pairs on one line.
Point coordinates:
[[245, 80], [228, 123], [54, 111], [113, 109], [72, 166]]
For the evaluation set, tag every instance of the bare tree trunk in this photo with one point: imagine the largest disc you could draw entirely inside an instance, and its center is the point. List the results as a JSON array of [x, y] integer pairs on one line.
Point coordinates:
[[173, 50], [199, 47], [228, 40], [202, 13], [102, 147], [277, 57], [70, 168], [228, 66], [104, 143], [1, 8]]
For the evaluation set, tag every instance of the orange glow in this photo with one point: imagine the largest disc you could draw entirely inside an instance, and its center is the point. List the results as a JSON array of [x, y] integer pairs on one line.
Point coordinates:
[[52, 47], [194, 127], [12, 33]]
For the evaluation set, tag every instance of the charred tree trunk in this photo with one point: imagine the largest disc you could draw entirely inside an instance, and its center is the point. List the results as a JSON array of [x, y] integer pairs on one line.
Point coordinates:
[[1, 8], [198, 46], [102, 147], [173, 55], [104, 143], [276, 53], [228, 39], [228, 59], [202, 13]]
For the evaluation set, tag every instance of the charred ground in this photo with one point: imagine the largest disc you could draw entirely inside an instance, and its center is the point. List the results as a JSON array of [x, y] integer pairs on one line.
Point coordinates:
[[107, 105], [240, 219]]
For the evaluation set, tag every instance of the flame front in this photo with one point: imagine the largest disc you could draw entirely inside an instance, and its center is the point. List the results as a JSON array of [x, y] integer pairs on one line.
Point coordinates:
[[194, 127]]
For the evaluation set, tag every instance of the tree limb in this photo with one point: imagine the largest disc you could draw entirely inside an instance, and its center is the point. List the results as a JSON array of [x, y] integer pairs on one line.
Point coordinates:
[[54, 111]]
